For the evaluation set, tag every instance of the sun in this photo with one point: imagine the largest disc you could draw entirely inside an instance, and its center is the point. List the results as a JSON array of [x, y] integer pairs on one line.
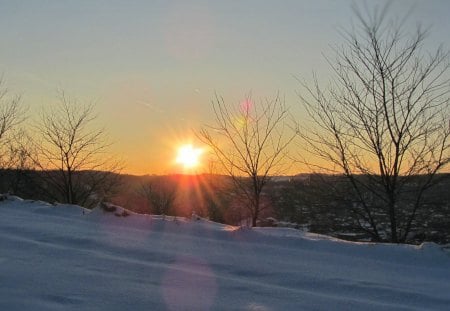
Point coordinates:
[[189, 156]]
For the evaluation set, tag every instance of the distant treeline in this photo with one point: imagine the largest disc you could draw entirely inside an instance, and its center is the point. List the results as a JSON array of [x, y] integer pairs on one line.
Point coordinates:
[[317, 202]]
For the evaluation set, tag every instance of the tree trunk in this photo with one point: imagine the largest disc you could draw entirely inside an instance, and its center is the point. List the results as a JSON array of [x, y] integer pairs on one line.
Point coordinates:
[[254, 218], [393, 222], [255, 213]]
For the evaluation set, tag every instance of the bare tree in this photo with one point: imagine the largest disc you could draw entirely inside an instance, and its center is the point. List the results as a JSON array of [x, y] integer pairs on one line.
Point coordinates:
[[160, 196], [12, 115], [13, 160], [383, 121], [250, 143], [73, 154], [18, 168]]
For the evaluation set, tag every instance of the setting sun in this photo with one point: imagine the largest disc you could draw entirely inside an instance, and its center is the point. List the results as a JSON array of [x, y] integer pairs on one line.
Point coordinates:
[[188, 156]]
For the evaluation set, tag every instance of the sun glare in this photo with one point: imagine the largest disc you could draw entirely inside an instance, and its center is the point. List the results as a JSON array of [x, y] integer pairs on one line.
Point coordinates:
[[188, 156]]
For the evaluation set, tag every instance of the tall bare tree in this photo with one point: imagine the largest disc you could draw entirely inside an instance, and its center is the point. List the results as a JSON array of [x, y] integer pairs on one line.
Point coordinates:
[[250, 142], [73, 154], [383, 121]]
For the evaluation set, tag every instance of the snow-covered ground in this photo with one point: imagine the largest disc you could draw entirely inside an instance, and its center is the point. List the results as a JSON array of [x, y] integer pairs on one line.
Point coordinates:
[[59, 258]]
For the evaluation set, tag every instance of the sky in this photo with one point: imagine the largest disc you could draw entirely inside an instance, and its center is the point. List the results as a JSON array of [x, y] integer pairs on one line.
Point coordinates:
[[153, 67]]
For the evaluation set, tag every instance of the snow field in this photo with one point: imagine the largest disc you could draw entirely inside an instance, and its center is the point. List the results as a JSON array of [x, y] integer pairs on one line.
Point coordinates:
[[65, 258]]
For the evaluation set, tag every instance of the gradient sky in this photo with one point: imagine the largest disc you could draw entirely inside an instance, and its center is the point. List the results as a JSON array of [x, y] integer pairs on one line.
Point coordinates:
[[152, 67]]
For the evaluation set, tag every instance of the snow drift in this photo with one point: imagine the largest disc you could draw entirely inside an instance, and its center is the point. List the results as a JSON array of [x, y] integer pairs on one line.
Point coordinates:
[[66, 258]]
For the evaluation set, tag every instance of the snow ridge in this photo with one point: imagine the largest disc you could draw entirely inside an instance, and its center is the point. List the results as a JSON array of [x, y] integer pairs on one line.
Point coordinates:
[[61, 256]]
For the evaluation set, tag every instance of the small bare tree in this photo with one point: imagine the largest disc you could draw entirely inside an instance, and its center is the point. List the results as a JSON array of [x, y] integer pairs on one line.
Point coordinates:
[[159, 194], [383, 121], [18, 167], [250, 143], [73, 154]]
